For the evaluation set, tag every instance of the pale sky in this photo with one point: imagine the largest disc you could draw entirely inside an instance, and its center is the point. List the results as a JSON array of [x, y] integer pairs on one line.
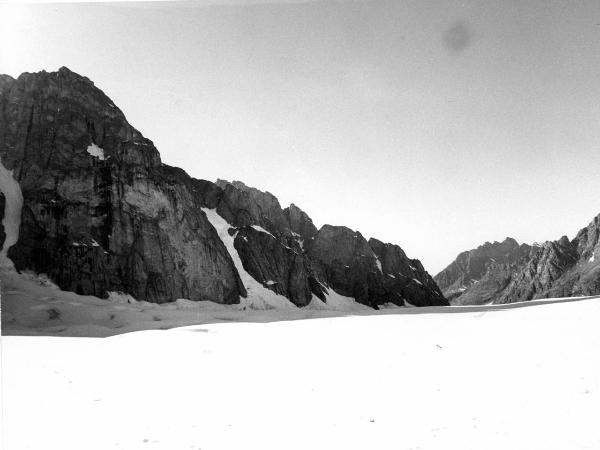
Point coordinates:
[[437, 125]]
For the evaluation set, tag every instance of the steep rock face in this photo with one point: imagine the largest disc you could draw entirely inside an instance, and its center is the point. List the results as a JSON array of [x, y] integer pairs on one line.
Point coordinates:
[[243, 206], [561, 268], [299, 222], [280, 268], [267, 245], [101, 212], [352, 266], [406, 277], [546, 265], [344, 260], [5, 82], [585, 276], [487, 289], [470, 266], [300, 261]]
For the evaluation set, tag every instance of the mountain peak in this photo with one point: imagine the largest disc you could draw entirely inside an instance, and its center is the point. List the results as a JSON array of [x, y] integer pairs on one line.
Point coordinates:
[[471, 266], [117, 219], [508, 272], [63, 73]]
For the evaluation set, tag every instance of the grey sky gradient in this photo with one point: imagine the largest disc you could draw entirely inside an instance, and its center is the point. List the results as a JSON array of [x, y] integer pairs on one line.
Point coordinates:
[[437, 125]]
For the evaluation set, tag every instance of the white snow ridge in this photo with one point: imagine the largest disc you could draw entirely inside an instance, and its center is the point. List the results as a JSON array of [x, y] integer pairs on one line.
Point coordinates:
[[12, 212], [96, 151]]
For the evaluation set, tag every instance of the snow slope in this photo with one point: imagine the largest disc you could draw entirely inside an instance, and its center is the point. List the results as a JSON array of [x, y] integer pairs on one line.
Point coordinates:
[[32, 305], [12, 212], [259, 297], [518, 376], [500, 377]]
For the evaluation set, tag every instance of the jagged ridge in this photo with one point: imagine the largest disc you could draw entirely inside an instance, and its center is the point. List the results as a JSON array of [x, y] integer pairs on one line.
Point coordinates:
[[506, 272], [102, 213]]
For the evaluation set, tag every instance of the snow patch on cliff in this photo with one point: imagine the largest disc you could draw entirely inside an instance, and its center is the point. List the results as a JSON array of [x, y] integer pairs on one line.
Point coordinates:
[[378, 263], [262, 230], [96, 151], [13, 202], [258, 297]]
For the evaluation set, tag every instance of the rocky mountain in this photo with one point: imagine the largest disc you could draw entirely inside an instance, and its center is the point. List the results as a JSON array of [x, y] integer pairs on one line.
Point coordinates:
[[469, 267], [92, 206], [507, 272]]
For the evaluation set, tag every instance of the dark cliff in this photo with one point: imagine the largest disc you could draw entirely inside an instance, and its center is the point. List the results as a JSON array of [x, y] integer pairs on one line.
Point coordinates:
[[102, 213]]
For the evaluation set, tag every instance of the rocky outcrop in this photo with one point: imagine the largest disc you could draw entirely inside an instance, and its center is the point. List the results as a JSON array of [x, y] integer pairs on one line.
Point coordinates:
[[270, 250], [299, 222], [280, 268], [101, 213], [470, 267], [344, 261], [561, 268], [354, 267], [541, 273], [243, 206], [406, 277]]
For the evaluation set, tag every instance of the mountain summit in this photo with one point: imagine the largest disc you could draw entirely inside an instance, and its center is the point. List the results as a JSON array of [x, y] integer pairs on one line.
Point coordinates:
[[507, 272], [100, 212]]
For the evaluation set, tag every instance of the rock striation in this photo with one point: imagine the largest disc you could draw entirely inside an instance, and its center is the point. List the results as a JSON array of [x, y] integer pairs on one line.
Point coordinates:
[[507, 272], [101, 212], [471, 266]]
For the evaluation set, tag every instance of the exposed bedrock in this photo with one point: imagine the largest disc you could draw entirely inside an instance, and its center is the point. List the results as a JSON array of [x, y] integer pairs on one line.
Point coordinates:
[[102, 213], [506, 272]]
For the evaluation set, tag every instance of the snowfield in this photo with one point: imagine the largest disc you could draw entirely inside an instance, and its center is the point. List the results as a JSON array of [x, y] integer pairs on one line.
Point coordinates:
[[11, 219], [521, 376]]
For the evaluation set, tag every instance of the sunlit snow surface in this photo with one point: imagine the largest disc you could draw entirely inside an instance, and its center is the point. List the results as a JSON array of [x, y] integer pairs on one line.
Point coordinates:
[[523, 376], [253, 376], [11, 219], [378, 262], [262, 230]]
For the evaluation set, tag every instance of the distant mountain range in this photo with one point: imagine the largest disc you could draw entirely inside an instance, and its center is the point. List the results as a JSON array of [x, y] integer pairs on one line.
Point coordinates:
[[87, 201], [506, 272]]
